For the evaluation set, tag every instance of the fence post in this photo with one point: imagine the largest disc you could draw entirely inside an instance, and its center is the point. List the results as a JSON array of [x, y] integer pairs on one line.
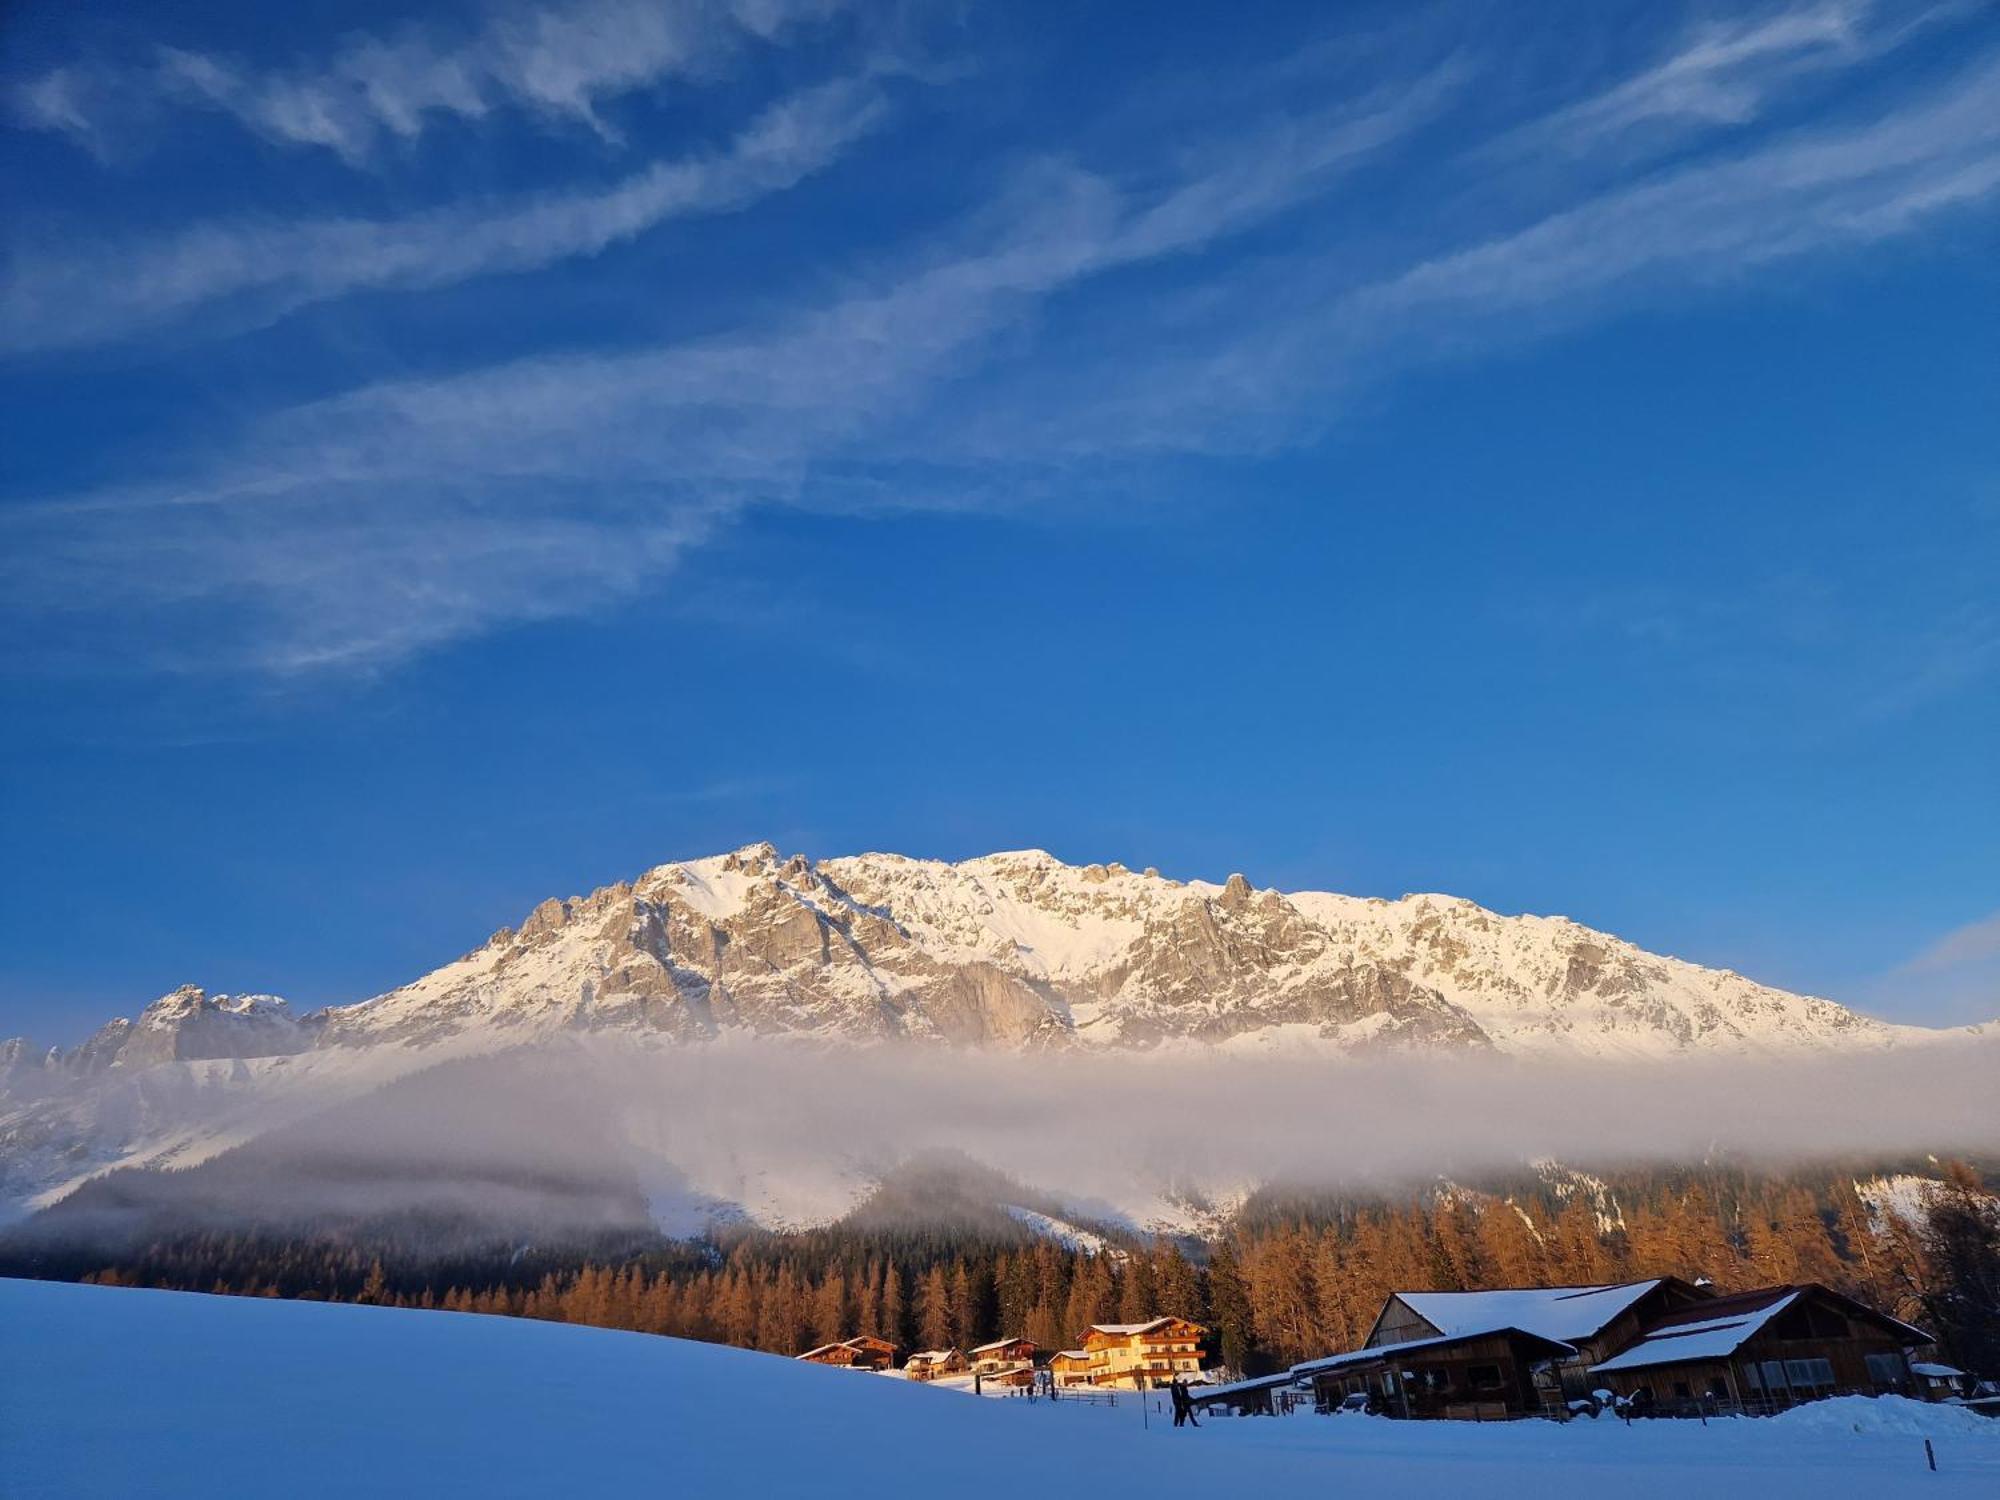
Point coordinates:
[[1930, 1455]]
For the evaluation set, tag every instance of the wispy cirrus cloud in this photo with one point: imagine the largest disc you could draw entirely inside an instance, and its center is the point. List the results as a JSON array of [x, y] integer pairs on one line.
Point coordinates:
[[260, 270], [1975, 942], [1955, 979], [1265, 360], [355, 531], [559, 63], [1724, 72], [360, 530]]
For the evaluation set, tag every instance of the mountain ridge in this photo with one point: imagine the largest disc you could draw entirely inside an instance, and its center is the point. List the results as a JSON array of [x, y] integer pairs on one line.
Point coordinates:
[[1018, 949]]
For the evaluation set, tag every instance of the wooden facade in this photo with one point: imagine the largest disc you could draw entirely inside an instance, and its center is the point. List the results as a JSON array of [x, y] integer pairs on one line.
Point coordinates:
[[1484, 1376], [1004, 1362], [874, 1353], [865, 1352], [1766, 1350], [1595, 1321], [931, 1363], [840, 1356]]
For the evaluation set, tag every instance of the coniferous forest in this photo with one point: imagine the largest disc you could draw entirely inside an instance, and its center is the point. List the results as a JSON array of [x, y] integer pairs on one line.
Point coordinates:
[[1295, 1275]]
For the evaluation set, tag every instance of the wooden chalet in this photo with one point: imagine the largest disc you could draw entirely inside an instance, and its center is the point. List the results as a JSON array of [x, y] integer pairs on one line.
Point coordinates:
[[1531, 1350], [1765, 1350], [1595, 1321], [929, 1364], [875, 1353], [865, 1352], [841, 1356], [1141, 1356], [1068, 1367], [1004, 1362]]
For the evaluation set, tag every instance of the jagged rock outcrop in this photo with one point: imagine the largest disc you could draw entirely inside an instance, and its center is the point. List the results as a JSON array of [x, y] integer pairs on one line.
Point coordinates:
[[185, 1025]]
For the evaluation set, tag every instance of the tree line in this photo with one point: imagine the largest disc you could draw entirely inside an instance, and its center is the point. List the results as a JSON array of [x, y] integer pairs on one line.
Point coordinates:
[[1297, 1276]]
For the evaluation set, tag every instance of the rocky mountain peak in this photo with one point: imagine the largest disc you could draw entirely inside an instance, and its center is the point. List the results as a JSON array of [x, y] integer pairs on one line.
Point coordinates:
[[1020, 949]]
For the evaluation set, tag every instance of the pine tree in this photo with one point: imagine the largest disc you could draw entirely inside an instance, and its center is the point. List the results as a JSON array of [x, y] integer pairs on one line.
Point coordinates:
[[1229, 1297], [934, 1321], [829, 1308], [1961, 1237]]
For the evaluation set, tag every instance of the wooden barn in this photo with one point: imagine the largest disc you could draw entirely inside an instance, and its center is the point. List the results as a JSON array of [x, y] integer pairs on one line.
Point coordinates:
[[1764, 1351]]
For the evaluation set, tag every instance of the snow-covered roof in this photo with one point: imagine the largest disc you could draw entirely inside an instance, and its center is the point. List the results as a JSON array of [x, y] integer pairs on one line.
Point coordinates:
[[1704, 1332], [998, 1344], [1936, 1371], [933, 1356], [1072, 1354], [1243, 1387], [823, 1349], [1126, 1330], [1563, 1313], [1413, 1346]]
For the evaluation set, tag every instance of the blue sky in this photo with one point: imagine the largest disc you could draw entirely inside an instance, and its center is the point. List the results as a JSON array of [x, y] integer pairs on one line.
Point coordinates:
[[468, 454]]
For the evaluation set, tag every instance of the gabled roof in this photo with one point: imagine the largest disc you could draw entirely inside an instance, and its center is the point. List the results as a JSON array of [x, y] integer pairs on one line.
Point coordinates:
[[1719, 1327], [997, 1344], [1715, 1330], [1565, 1313], [1388, 1353], [1127, 1330], [825, 1349]]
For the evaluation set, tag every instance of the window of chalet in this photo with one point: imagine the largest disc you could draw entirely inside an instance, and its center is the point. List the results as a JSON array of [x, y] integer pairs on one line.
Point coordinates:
[[1809, 1374], [1683, 1390], [1887, 1369], [1484, 1377]]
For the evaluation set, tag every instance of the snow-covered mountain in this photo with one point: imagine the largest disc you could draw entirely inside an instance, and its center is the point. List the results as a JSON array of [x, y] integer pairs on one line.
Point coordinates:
[[1014, 951], [1018, 950]]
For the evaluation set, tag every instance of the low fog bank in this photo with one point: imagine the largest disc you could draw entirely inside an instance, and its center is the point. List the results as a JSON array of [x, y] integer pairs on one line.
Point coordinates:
[[1099, 1123], [604, 1136]]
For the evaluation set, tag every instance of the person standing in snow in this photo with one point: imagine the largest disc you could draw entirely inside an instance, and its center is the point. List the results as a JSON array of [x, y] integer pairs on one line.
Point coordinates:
[[1183, 1402]]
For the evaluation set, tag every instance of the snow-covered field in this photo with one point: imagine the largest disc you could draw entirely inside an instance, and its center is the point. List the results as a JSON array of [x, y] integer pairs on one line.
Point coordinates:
[[108, 1392]]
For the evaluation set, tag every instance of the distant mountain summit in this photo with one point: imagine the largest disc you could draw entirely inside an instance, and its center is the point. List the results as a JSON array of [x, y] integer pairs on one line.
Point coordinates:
[[1015, 952], [1018, 950]]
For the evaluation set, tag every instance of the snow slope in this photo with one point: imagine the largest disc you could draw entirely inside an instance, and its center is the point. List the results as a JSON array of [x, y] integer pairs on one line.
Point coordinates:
[[165, 1394]]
